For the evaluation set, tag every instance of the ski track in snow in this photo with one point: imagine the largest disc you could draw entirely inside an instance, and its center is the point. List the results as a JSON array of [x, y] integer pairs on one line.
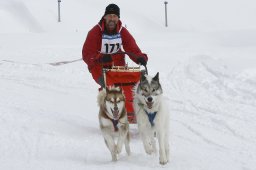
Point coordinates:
[[211, 107]]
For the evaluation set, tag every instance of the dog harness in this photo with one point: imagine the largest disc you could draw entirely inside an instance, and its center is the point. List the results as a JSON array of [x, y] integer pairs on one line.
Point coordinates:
[[151, 117], [115, 122]]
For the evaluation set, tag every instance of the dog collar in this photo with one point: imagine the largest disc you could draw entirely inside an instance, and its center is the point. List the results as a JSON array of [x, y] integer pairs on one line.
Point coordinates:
[[151, 117]]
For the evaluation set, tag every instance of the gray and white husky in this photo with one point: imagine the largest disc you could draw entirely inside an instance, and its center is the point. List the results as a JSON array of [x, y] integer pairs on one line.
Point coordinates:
[[152, 116], [113, 120]]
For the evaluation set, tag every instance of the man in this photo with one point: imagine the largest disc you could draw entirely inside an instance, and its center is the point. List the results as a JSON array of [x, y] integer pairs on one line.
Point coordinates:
[[105, 39]]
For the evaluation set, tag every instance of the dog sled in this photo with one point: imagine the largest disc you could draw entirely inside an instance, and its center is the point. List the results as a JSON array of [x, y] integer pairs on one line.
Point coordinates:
[[125, 77]]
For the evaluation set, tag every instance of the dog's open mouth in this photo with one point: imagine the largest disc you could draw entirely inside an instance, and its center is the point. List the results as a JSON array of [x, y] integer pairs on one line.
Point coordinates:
[[115, 113], [150, 104]]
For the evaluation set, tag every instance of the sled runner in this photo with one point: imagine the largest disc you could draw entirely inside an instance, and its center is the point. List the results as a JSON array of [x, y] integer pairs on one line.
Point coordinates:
[[126, 78]]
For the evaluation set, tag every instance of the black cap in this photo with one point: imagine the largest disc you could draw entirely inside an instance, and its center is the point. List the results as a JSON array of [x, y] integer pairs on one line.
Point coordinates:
[[112, 9]]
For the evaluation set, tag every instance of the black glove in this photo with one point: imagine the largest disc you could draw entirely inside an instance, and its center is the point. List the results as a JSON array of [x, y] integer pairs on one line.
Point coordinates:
[[105, 58], [142, 61]]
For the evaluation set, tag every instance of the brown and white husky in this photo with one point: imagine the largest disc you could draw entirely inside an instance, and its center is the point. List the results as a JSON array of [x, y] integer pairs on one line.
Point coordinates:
[[113, 120]]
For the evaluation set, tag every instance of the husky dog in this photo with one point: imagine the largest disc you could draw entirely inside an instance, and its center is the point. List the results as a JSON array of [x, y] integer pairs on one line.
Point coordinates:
[[152, 116], [113, 120]]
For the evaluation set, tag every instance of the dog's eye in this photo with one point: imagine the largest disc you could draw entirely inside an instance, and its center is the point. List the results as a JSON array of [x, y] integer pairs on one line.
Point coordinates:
[[145, 90], [153, 90], [110, 101]]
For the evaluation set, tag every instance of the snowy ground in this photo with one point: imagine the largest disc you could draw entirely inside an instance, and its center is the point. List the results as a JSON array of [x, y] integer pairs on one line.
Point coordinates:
[[48, 114]]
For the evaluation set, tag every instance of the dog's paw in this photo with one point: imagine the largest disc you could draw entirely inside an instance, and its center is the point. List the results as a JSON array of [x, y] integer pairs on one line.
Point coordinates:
[[153, 146], [128, 153], [128, 150], [114, 158], [150, 148], [114, 150], [118, 149], [114, 154], [163, 161], [149, 151]]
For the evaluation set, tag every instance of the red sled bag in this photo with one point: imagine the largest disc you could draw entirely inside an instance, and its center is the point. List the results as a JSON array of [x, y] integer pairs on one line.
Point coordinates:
[[126, 78]]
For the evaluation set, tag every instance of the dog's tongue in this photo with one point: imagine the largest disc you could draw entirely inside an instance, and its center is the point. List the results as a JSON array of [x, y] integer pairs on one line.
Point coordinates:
[[150, 104], [115, 113]]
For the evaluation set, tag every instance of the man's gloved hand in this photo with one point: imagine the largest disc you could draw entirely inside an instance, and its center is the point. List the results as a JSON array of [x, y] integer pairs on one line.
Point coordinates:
[[105, 58], [142, 61]]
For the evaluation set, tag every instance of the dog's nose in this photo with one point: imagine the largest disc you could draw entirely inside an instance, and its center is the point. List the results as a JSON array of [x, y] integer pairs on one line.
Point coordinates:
[[150, 99], [115, 108]]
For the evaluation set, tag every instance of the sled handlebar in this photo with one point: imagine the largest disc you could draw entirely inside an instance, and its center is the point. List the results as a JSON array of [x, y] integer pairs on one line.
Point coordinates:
[[131, 54]]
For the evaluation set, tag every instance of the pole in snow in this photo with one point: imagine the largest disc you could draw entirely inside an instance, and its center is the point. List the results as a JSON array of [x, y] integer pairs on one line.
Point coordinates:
[[59, 1], [165, 3]]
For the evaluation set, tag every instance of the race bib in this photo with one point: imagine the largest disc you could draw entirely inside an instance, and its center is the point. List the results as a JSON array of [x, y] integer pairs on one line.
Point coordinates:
[[111, 43]]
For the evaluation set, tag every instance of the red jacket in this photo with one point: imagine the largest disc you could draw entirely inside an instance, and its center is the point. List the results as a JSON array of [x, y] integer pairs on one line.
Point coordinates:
[[92, 47]]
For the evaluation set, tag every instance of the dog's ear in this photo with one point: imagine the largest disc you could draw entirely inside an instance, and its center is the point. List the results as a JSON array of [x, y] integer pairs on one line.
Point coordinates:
[[156, 78]]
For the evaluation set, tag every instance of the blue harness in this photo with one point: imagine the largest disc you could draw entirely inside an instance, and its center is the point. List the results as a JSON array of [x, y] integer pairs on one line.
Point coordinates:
[[151, 117]]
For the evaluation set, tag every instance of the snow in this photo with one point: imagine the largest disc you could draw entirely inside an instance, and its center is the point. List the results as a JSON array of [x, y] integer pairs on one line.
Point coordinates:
[[206, 60]]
